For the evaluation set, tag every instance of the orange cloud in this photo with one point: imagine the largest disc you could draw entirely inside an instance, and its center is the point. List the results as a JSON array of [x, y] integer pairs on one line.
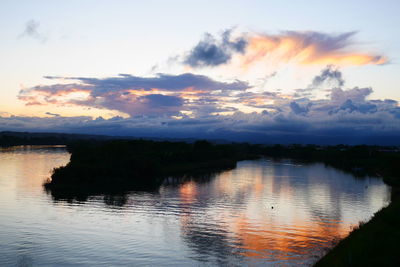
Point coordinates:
[[306, 48]]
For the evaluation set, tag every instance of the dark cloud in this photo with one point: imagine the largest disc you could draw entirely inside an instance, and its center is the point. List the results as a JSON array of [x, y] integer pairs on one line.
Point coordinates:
[[213, 52], [160, 95], [32, 30], [162, 100], [237, 45], [160, 81], [152, 104], [298, 109], [207, 53], [330, 75], [53, 114], [350, 106]]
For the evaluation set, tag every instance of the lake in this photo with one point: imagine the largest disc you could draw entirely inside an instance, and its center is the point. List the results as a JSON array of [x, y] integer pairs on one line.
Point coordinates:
[[263, 212]]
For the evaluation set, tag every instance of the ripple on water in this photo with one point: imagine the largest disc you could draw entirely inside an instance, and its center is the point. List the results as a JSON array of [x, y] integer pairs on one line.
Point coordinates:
[[261, 213]]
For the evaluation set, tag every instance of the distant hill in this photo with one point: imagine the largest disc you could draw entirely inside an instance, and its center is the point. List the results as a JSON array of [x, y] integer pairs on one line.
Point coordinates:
[[10, 138]]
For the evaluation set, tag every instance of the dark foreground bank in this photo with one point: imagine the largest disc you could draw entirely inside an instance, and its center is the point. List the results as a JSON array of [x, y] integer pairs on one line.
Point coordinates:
[[375, 243]]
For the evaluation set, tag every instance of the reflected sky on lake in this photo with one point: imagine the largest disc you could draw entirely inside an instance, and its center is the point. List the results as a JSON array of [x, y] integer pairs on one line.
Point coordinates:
[[263, 212]]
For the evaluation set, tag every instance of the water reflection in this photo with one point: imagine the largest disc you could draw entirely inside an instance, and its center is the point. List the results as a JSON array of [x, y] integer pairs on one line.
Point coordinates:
[[262, 212], [276, 212], [120, 197]]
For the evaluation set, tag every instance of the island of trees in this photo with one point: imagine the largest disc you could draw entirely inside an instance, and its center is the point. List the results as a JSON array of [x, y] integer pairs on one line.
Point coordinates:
[[106, 166]]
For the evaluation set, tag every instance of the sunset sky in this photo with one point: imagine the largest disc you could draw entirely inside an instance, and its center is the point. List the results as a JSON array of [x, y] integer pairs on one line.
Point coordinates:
[[259, 71]]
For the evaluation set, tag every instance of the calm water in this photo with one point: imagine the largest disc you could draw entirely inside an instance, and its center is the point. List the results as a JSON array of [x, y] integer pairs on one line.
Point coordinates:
[[227, 219]]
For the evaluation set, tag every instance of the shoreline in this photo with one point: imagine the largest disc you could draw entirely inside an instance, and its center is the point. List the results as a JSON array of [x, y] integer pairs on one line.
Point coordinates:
[[372, 243]]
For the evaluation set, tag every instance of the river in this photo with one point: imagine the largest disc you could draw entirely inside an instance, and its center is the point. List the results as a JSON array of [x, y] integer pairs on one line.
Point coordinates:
[[263, 212]]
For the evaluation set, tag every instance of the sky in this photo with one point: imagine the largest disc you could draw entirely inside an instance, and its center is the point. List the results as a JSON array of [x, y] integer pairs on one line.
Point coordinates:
[[255, 71]]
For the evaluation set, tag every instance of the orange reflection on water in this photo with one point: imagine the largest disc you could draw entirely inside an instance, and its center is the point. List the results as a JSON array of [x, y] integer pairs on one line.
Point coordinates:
[[188, 192], [261, 239], [281, 213]]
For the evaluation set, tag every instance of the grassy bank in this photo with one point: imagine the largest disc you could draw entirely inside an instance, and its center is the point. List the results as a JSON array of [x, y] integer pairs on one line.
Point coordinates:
[[375, 243]]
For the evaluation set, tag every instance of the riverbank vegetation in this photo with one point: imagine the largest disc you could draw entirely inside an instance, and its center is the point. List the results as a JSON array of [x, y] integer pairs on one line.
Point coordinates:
[[375, 243], [360, 160], [140, 164]]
